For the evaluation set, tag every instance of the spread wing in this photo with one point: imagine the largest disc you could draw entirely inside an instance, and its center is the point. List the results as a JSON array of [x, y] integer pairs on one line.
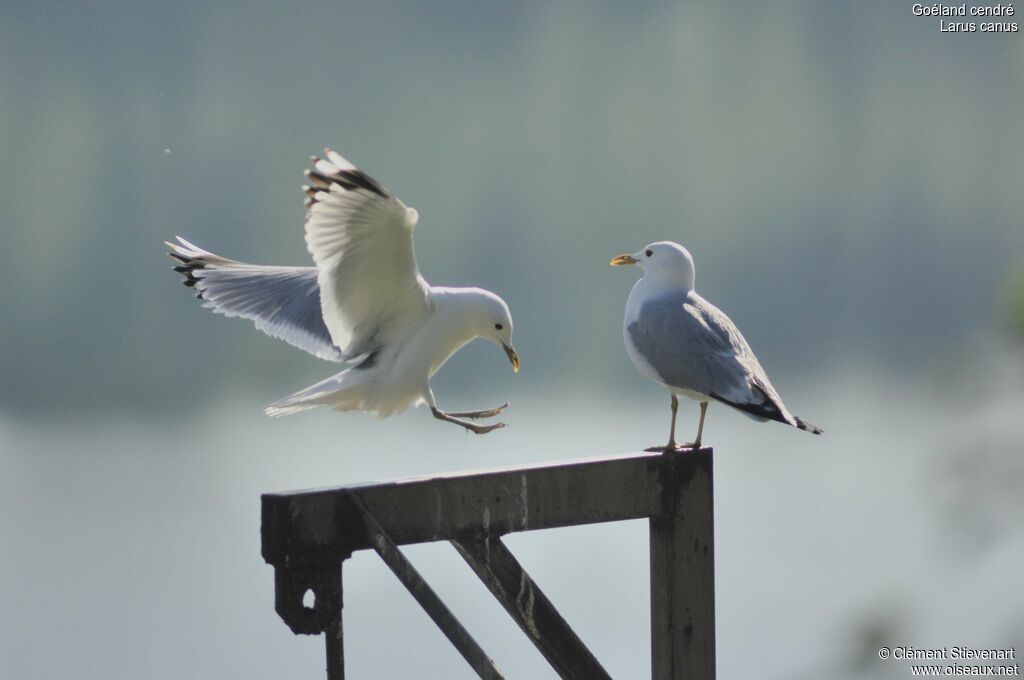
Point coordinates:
[[693, 345], [360, 237], [284, 302]]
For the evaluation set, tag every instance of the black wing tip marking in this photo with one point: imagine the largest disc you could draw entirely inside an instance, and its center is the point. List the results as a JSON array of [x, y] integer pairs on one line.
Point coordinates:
[[766, 409], [187, 268], [348, 179], [769, 411], [807, 427]]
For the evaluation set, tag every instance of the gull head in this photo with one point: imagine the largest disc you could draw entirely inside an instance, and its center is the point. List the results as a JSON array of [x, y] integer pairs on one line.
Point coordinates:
[[492, 321], [664, 261]]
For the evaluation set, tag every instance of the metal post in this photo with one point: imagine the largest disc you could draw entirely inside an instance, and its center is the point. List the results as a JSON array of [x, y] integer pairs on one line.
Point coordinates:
[[683, 570], [334, 635]]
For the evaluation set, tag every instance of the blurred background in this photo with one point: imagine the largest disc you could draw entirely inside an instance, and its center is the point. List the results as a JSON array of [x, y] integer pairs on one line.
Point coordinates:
[[847, 177]]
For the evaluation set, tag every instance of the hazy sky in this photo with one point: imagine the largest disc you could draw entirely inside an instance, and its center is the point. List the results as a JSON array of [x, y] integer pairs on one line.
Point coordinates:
[[846, 176]]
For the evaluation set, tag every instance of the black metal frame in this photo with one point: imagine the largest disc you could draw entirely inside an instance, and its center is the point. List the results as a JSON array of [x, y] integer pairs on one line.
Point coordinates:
[[308, 535]]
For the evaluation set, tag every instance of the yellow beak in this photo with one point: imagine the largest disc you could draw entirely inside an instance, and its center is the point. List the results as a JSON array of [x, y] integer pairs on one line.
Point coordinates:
[[620, 260], [512, 356]]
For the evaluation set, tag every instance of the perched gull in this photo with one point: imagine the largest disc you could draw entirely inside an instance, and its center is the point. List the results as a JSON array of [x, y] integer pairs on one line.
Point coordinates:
[[678, 338], [364, 304]]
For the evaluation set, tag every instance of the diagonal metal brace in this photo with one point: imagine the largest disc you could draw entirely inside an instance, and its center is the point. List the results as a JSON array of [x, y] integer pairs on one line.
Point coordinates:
[[427, 598], [498, 568]]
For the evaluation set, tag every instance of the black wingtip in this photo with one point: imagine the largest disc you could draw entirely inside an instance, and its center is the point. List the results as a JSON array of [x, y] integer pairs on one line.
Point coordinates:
[[187, 268], [349, 179], [808, 427], [364, 181]]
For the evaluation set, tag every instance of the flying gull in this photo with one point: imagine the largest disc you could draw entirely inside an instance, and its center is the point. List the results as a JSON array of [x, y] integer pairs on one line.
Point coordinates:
[[364, 304], [678, 338]]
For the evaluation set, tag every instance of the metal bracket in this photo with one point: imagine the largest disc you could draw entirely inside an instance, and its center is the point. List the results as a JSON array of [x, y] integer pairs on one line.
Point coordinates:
[[290, 587], [308, 535]]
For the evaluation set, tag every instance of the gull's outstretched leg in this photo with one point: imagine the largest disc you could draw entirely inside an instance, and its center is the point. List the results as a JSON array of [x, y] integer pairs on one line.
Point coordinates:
[[489, 413], [671, 446], [700, 427], [472, 427]]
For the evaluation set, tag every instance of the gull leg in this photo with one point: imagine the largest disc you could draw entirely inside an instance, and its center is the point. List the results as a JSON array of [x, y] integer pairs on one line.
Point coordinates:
[[671, 446], [472, 427], [672, 432], [700, 427], [489, 413]]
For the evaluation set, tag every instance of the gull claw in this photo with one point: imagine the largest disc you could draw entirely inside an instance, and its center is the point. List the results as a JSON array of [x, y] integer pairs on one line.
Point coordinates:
[[483, 429], [470, 427], [475, 415]]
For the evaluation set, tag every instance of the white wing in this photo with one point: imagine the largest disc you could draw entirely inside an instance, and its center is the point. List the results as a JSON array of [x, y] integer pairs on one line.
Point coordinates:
[[284, 302], [360, 236]]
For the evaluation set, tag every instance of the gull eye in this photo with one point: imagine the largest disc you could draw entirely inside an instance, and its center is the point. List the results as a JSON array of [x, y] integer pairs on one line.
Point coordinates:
[[649, 252], [498, 326]]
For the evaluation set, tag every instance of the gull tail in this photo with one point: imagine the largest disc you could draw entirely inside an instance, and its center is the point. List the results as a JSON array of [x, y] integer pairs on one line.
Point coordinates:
[[769, 408], [346, 391], [808, 427]]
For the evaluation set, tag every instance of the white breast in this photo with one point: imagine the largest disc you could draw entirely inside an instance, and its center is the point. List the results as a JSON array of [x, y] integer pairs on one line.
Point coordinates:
[[637, 297]]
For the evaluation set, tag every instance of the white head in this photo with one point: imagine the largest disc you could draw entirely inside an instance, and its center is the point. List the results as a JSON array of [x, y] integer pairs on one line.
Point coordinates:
[[666, 262], [492, 321]]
